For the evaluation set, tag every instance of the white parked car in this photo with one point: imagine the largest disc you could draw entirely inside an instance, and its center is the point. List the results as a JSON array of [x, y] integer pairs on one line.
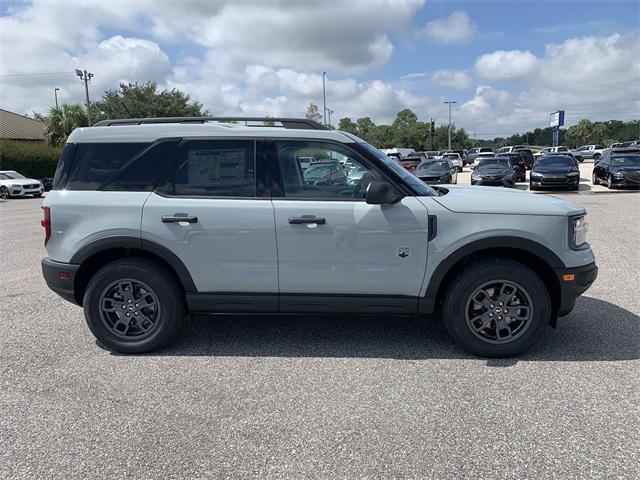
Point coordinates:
[[455, 159], [13, 184], [482, 155]]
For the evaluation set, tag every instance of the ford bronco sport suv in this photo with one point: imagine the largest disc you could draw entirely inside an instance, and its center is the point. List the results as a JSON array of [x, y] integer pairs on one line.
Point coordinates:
[[150, 220]]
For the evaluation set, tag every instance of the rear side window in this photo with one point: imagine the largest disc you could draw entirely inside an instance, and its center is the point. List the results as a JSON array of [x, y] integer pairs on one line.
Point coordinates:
[[216, 168], [97, 165], [62, 170]]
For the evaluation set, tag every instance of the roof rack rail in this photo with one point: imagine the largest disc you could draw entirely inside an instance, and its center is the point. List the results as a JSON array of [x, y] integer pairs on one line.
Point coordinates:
[[291, 123]]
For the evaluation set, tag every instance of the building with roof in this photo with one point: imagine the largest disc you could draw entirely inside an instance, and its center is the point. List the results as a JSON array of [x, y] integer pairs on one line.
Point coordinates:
[[18, 127]]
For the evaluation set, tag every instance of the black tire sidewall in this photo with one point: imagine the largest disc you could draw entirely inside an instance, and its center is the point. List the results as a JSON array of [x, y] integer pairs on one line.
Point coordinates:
[[471, 278], [5, 190], [166, 288]]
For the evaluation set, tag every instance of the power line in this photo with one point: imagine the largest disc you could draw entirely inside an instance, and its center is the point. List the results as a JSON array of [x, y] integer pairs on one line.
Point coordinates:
[[33, 74]]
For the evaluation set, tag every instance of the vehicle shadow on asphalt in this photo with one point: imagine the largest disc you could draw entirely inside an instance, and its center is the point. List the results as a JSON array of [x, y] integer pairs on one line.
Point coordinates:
[[595, 331]]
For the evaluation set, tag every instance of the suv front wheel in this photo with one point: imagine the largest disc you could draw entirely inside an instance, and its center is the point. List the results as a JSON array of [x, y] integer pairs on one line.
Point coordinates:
[[133, 305], [497, 308]]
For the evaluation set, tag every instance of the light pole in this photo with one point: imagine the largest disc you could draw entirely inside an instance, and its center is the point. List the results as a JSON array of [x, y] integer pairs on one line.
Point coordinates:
[[85, 77], [329, 112], [324, 98], [55, 94], [450, 102]]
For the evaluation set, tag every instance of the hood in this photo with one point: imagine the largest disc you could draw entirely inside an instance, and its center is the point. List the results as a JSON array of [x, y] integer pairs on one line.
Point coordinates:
[[493, 171], [625, 168], [561, 169], [506, 201], [19, 181]]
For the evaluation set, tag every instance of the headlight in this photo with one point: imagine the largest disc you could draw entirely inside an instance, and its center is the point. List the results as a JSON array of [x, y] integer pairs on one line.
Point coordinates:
[[475, 176], [618, 174], [578, 232], [573, 174], [508, 175], [536, 175], [13, 185]]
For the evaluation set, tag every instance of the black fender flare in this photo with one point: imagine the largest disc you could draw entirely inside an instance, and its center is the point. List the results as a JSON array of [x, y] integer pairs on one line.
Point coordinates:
[[125, 241], [518, 243]]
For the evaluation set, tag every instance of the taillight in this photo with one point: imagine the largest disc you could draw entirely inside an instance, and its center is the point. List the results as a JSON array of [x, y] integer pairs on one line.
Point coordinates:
[[46, 223]]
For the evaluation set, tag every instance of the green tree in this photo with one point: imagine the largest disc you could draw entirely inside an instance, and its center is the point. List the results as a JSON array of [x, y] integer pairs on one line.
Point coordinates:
[[62, 121], [135, 100], [382, 136], [347, 125], [313, 113], [365, 126]]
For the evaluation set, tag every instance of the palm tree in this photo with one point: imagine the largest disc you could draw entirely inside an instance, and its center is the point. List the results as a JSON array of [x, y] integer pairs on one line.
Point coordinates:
[[62, 121]]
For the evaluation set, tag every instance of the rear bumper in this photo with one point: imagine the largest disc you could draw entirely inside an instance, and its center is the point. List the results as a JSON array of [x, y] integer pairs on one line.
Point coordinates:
[[60, 278], [570, 290]]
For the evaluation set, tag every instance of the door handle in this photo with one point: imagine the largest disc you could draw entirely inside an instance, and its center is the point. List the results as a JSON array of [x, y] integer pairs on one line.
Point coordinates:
[[307, 219], [179, 217]]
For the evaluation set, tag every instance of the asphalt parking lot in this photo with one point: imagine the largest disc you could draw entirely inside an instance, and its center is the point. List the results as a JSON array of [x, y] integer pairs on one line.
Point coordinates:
[[317, 397]]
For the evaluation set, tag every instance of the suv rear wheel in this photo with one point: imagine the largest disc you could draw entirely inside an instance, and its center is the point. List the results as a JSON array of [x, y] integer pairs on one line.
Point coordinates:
[[497, 308], [133, 305]]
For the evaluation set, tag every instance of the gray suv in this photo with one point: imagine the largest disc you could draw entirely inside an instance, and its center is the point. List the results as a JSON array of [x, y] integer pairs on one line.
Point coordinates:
[[151, 220]]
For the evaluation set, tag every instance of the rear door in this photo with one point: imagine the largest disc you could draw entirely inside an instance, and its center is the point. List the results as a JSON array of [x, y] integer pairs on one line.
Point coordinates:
[[211, 211], [336, 252]]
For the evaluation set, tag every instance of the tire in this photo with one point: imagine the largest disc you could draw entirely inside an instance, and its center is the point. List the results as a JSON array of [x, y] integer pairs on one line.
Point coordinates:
[[609, 182], [4, 193], [531, 187], [596, 157], [458, 302], [151, 283], [594, 179]]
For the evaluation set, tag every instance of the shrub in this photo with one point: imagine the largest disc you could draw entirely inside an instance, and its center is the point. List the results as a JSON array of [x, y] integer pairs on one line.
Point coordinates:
[[32, 159]]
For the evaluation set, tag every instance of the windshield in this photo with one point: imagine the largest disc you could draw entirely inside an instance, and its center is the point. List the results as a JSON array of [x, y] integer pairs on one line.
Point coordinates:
[[11, 175], [554, 161], [414, 182], [494, 163], [433, 166], [627, 161]]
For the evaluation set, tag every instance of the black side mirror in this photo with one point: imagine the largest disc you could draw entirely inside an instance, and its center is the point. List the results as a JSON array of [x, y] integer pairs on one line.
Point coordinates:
[[380, 193]]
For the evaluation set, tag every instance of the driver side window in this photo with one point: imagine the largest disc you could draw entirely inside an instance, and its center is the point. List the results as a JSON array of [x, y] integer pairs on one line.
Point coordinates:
[[322, 171]]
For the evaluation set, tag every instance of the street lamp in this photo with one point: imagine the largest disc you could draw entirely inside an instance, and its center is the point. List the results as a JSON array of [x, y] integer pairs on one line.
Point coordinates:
[[85, 77], [324, 98], [450, 102], [55, 94]]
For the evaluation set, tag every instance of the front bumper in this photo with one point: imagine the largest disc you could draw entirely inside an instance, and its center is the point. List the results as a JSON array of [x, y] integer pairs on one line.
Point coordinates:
[[493, 182], [22, 190], [60, 278], [555, 182], [571, 289], [625, 182]]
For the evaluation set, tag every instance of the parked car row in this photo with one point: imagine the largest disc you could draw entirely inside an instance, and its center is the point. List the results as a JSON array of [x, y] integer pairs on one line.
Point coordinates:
[[619, 167]]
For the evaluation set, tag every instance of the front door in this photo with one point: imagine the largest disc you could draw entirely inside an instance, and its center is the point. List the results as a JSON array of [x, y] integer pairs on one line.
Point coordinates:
[[209, 213], [336, 252]]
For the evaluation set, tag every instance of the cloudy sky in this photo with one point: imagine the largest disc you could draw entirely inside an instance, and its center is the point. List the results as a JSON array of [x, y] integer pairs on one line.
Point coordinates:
[[508, 64]]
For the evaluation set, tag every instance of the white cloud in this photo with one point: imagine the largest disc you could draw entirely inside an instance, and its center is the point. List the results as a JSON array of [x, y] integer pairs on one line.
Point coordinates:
[[457, 79], [507, 65], [456, 28]]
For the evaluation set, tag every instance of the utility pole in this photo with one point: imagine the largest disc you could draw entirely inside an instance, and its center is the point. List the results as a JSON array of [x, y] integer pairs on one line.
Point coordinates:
[[55, 94], [324, 98], [432, 131], [85, 77], [450, 102]]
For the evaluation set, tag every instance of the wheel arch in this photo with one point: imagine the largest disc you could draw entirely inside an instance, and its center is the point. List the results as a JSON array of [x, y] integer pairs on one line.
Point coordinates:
[[95, 255], [536, 256]]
